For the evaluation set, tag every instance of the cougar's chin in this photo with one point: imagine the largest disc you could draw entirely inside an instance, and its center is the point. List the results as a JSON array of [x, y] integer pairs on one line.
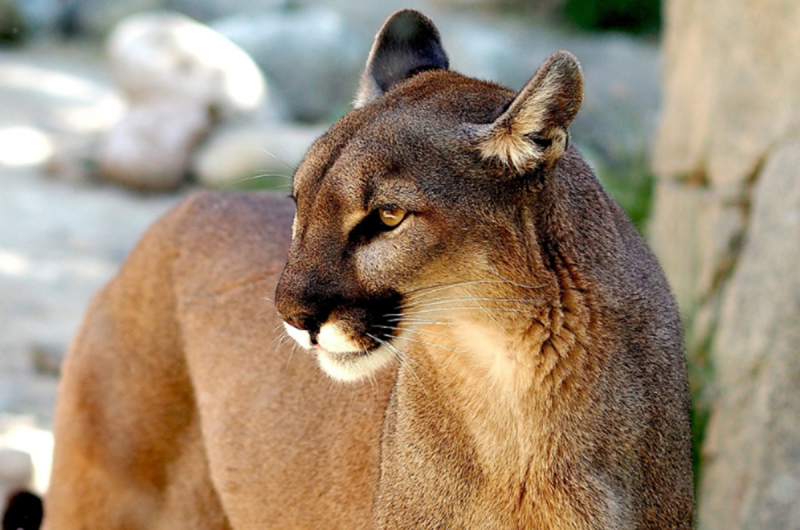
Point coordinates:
[[338, 355], [353, 366]]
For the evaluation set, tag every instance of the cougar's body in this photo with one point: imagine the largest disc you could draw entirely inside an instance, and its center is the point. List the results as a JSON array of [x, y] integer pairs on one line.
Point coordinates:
[[509, 354]]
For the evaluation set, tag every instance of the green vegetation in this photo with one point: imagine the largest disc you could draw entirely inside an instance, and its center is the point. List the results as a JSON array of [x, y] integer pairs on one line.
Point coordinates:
[[635, 16], [631, 185], [12, 25]]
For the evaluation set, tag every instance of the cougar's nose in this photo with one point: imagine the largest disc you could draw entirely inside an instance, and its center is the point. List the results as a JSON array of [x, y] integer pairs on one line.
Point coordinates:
[[303, 321]]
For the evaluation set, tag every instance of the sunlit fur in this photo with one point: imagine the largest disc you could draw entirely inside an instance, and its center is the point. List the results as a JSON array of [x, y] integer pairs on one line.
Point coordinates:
[[513, 353]]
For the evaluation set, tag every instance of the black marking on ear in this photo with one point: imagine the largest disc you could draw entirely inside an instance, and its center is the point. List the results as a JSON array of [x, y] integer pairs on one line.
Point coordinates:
[[542, 142], [407, 44]]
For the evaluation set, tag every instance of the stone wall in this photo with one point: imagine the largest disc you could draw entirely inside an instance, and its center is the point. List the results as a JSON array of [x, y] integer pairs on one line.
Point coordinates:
[[726, 226]]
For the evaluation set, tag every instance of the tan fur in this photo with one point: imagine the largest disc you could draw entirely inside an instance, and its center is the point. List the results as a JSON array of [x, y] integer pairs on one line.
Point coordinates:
[[516, 352], [180, 408], [531, 113]]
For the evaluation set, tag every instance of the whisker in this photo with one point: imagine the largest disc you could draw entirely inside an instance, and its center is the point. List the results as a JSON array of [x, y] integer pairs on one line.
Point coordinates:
[[434, 345], [439, 310], [291, 353], [401, 317], [418, 331], [428, 290], [489, 315], [447, 300], [403, 358], [265, 176], [512, 282], [279, 159]]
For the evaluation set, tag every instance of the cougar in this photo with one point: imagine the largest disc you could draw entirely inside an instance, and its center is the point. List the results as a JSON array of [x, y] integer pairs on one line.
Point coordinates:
[[490, 343]]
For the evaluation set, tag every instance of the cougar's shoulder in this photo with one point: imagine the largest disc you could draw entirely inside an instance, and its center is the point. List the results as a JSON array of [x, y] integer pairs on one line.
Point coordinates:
[[502, 347], [452, 225]]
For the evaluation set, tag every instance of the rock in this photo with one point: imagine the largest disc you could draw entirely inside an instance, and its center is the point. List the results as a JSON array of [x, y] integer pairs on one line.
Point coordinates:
[[47, 357], [208, 10], [169, 56], [488, 51], [243, 155], [99, 17], [311, 56], [151, 147], [43, 16], [16, 469], [751, 478], [541, 7], [693, 231], [730, 134], [75, 161], [732, 69]]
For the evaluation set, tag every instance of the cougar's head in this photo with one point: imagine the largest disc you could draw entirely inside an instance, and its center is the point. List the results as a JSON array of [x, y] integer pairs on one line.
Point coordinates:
[[409, 208]]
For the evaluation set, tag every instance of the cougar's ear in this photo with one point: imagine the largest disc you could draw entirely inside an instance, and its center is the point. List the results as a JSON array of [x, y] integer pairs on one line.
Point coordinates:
[[408, 43], [532, 132]]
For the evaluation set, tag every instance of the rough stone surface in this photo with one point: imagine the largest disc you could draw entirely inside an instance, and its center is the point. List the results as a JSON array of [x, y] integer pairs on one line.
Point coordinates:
[[207, 10], [242, 154], [58, 242], [151, 147], [16, 471], [752, 473], [16, 468], [166, 55], [726, 227], [731, 68], [695, 230], [98, 17], [40, 15]]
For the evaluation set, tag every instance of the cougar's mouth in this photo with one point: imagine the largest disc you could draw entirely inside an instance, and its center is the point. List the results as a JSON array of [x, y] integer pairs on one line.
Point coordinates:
[[340, 356], [350, 351]]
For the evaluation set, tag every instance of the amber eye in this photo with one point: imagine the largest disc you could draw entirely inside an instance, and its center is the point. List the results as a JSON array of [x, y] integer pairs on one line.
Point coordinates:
[[391, 217]]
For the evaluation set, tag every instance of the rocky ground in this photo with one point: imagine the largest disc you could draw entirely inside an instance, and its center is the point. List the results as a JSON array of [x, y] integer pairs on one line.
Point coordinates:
[[63, 233], [59, 241]]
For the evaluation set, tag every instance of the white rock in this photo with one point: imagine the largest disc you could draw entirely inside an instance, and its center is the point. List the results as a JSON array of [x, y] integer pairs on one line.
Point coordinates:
[[16, 468], [239, 154], [206, 10], [151, 147], [168, 55], [312, 56]]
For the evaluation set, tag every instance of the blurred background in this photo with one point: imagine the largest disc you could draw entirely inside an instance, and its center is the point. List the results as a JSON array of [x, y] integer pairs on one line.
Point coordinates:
[[111, 111]]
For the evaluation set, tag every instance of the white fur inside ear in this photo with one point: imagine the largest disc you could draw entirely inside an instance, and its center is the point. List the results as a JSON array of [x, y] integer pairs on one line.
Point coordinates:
[[512, 149], [509, 138]]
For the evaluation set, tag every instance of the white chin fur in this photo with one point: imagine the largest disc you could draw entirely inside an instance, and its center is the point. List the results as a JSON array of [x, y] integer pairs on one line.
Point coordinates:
[[355, 367], [338, 356]]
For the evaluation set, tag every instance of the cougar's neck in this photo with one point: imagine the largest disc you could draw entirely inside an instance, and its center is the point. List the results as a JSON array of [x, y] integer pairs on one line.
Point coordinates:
[[516, 379], [488, 420], [513, 379]]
